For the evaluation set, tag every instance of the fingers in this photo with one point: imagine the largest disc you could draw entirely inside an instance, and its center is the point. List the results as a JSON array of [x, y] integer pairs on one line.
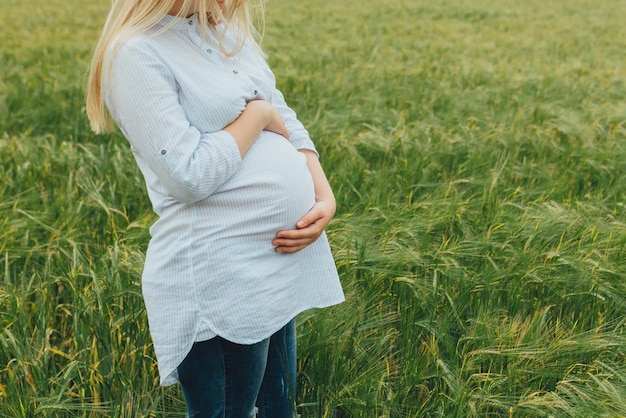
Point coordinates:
[[294, 247], [310, 218], [277, 124], [290, 241], [299, 234], [308, 229]]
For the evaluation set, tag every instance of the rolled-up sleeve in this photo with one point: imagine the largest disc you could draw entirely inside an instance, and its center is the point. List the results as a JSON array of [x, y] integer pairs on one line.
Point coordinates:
[[142, 97], [298, 135]]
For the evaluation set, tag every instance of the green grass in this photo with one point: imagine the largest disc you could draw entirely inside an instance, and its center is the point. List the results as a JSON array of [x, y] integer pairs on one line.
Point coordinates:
[[477, 151]]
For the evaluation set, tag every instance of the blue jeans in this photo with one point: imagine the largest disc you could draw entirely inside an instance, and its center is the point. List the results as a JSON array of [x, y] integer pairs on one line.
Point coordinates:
[[221, 379]]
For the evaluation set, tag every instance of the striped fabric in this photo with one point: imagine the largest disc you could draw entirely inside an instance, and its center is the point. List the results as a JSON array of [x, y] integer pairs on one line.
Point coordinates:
[[210, 266]]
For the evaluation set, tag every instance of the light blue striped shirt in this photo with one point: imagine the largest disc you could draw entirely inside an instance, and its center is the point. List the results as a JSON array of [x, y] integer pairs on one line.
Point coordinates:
[[210, 267]]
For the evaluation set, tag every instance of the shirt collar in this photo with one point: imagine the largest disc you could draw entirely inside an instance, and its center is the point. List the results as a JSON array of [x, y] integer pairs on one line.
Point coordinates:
[[180, 23]]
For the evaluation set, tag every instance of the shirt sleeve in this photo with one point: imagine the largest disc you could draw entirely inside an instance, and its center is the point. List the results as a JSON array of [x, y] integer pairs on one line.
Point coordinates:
[[142, 97], [298, 135]]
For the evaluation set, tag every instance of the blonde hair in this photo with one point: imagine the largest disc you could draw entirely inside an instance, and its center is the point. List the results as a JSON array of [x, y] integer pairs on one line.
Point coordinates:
[[129, 17]]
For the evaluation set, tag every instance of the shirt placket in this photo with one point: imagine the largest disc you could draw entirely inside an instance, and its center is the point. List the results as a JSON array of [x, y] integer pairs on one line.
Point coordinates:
[[211, 52]]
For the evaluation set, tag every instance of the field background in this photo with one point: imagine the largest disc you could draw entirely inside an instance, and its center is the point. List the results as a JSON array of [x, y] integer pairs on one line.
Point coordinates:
[[477, 150]]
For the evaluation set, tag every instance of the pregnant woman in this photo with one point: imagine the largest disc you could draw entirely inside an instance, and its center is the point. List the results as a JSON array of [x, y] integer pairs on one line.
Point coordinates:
[[239, 248]]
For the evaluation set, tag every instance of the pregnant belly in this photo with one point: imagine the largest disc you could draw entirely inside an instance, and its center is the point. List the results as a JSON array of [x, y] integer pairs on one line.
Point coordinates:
[[270, 191]]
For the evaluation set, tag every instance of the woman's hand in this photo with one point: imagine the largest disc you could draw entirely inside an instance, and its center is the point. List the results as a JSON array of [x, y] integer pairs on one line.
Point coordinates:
[[276, 122], [309, 228], [259, 115]]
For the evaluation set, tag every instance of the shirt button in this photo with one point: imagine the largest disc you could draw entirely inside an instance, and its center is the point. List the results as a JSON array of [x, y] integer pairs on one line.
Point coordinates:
[[255, 92], [190, 22], [163, 152], [209, 50], [235, 72]]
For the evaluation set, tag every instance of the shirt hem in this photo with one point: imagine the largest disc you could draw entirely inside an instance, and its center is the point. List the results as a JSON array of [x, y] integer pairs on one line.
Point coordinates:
[[171, 377]]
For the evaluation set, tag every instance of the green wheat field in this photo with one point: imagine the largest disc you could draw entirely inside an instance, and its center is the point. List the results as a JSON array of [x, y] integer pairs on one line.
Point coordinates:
[[477, 149]]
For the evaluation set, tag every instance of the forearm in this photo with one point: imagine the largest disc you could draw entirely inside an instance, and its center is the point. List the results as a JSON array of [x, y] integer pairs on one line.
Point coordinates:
[[323, 191]]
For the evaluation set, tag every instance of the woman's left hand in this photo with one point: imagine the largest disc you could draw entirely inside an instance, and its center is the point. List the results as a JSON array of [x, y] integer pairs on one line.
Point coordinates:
[[309, 228]]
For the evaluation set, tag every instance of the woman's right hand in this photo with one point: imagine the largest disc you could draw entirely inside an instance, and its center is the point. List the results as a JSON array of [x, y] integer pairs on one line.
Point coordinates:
[[259, 115], [275, 123]]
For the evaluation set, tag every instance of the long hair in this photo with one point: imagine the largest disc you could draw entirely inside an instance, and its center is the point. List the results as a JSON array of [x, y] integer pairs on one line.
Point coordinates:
[[129, 17]]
